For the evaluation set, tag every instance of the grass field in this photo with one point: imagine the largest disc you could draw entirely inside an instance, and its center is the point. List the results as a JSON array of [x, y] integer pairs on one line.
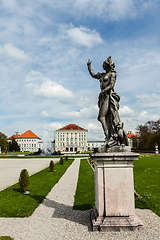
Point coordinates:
[[16, 204], [147, 183], [146, 178], [85, 194]]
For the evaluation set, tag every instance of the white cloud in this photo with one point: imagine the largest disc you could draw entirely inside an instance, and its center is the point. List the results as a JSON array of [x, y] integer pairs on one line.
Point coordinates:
[[9, 4], [85, 112], [53, 126], [107, 10], [50, 89], [94, 127], [137, 59], [10, 50], [124, 99], [149, 100], [44, 114], [44, 87], [126, 111], [146, 116], [84, 36]]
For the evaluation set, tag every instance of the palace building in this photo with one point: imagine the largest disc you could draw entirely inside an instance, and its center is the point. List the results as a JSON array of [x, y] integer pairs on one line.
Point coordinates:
[[94, 144], [71, 138], [28, 141]]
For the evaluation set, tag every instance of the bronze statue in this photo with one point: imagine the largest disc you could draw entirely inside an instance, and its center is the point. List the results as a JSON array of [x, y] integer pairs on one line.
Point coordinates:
[[108, 103]]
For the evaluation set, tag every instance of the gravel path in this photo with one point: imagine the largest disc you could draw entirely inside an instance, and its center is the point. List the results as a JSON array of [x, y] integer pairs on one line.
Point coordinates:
[[10, 168], [54, 219]]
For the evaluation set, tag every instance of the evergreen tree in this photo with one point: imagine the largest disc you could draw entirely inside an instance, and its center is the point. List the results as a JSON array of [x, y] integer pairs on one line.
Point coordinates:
[[14, 145]]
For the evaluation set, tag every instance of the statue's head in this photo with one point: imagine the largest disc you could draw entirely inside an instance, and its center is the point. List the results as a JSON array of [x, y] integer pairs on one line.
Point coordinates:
[[108, 64], [119, 126]]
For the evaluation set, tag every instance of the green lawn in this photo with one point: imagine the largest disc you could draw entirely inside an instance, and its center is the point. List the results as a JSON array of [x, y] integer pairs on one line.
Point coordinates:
[[85, 194], [146, 178], [147, 183], [16, 204]]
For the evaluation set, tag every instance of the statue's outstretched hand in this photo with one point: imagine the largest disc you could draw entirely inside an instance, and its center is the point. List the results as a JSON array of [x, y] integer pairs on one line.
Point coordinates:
[[89, 62]]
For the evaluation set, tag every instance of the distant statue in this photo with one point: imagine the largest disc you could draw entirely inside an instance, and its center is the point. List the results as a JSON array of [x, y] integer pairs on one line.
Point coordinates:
[[156, 149], [108, 103]]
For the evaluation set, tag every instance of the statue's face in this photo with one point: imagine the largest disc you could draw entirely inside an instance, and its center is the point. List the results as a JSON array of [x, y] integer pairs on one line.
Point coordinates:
[[106, 67]]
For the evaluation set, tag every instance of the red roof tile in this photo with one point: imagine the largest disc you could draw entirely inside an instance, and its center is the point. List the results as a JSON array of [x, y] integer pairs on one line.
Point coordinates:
[[72, 127], [130, 135], [27, 134], [15, 136]]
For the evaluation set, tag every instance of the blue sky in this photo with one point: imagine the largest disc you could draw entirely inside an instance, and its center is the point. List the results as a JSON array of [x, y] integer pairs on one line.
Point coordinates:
[[44, 48]]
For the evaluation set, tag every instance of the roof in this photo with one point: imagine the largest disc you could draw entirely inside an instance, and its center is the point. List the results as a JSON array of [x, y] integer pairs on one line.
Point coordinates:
[[131, 135], [27, 134], [72, 127], [15, 136]]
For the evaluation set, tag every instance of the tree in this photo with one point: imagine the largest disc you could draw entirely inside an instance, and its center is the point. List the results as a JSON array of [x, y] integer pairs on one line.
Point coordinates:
[[51, 166], [14, 145], [149, 135], [3, 142], [134, 142], [24, 180]]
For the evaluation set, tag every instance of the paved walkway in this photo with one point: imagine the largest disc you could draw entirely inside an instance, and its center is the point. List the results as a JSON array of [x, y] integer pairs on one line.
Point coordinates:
[[10, 168], [54, 219]]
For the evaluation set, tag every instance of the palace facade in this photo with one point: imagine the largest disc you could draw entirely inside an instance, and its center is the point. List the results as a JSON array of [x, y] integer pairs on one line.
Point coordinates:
[[28, 141], [71, 138]]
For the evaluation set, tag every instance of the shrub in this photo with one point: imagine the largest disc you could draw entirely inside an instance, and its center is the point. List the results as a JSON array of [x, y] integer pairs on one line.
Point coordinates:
[[66, 158], [24, 180], [91, 161], [51, 166], [61, 160]]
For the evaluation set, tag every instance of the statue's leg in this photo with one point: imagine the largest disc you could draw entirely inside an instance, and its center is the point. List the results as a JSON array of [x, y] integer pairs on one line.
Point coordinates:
[[103, 111]]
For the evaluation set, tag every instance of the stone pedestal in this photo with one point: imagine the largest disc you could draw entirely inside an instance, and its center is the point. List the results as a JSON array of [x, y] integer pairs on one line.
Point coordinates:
[[114, 192]]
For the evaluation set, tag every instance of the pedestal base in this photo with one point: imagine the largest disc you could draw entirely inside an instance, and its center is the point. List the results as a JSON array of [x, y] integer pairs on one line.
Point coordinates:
[[108, 224]]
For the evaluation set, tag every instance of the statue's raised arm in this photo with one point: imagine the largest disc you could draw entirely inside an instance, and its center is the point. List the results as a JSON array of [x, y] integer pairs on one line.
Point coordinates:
[[94, 75]]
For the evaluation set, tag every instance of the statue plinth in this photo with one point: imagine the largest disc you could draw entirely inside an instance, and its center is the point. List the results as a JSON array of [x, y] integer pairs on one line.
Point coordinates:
[[114, 192]]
